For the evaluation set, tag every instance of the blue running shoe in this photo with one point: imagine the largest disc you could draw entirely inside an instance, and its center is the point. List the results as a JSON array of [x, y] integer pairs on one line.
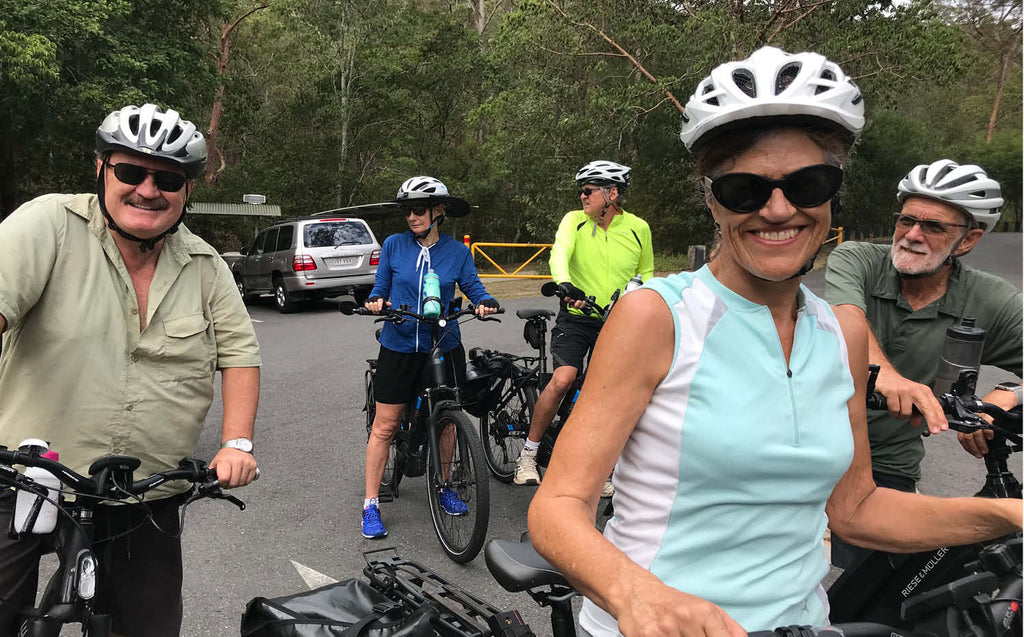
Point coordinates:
[[452, 503], [373, 528]]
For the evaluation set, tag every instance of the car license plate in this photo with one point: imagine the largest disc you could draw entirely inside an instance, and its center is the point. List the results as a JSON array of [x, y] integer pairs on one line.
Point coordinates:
[[336, 261]]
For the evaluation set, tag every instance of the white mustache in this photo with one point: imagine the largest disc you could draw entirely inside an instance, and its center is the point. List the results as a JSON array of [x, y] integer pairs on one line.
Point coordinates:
[[916, 248]]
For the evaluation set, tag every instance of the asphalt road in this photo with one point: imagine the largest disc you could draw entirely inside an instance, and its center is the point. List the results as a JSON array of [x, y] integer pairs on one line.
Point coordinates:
[[310, 444]]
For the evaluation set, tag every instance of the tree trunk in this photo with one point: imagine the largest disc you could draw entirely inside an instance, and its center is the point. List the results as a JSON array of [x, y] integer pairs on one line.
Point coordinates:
[[214, 155], [1000, 81]]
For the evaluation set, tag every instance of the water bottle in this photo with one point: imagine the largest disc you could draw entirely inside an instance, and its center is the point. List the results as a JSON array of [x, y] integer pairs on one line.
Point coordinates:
[[431, 295], [634, 283], [960, 351], [32, 513]]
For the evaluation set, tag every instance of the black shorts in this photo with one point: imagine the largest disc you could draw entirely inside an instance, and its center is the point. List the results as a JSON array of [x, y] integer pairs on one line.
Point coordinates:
[[400, 375], [139, 580], [572, 339]]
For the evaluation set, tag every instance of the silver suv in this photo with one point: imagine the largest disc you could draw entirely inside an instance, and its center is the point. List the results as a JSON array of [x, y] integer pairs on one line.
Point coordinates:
[[309, 258]]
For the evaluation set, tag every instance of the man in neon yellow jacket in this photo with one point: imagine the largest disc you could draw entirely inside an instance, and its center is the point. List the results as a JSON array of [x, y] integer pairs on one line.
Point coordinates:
[[597, 250]]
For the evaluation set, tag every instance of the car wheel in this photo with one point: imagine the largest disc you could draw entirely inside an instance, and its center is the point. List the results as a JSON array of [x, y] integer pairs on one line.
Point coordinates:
[[246, 297], [282, 302]]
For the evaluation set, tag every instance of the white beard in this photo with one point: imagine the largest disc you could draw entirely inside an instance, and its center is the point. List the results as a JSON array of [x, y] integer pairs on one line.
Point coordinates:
[[916, 259]]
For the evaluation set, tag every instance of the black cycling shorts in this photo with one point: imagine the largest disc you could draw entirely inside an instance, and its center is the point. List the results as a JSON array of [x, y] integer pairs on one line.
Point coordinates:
[[572, 339], [401, 376]]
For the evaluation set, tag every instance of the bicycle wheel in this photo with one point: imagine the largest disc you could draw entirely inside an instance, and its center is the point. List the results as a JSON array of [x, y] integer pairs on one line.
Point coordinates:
[[462, 535], [503, 429]]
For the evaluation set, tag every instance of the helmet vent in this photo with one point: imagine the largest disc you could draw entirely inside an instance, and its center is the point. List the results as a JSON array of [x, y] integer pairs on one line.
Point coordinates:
[[858, 99], [133, 123], [710, 88], [786, 76], [744, 80], [828, 76]]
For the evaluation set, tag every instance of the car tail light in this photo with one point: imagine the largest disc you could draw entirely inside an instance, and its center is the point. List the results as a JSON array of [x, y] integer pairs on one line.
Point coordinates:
[[301, 262], [375, 257]]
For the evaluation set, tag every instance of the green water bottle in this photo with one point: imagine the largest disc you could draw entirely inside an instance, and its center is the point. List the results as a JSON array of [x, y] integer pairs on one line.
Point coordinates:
[[431, 295]]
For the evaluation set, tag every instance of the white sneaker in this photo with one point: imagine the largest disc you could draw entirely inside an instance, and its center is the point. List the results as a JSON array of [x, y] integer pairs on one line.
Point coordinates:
[[526, 468], [607, 490]]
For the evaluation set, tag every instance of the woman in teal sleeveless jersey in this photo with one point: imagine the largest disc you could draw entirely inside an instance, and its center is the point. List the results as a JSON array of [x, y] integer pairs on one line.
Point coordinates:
[[730, 401]]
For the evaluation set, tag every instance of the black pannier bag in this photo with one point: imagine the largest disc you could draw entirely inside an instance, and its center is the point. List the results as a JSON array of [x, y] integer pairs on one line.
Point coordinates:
[[484, 372], [350, 608]]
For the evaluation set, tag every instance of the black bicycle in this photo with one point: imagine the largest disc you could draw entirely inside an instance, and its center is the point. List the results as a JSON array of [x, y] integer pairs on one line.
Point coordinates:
[[436, 439], [68, 596], [876, 587], [507, 387]]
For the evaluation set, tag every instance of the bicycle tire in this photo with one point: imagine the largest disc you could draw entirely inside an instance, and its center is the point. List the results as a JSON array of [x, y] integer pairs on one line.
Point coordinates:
[[503, 429], [461, 536], [389, 481]]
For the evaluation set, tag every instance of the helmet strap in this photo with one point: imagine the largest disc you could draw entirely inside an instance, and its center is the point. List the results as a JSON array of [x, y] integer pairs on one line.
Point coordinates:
[[145, 245]]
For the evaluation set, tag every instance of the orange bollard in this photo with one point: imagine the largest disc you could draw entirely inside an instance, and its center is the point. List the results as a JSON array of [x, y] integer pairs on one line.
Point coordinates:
[[465, 240]]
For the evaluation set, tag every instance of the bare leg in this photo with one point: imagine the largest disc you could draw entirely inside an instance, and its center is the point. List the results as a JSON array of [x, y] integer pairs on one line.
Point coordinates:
[[447, 449], [549, 400], [385, 423]]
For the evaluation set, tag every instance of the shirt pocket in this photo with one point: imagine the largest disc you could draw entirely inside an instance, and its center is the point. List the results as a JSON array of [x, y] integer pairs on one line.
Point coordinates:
[[187, 349]]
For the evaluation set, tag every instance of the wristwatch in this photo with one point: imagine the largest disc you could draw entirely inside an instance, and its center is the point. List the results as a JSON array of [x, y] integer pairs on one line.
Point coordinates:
[[1015, 387], [242, 444]]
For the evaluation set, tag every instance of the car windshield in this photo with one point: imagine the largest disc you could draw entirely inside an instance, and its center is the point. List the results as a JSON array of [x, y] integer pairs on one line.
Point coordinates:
[[335, 233]]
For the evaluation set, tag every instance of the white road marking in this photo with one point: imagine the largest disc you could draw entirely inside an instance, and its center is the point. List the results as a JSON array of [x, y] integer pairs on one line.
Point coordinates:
[[313, 579]]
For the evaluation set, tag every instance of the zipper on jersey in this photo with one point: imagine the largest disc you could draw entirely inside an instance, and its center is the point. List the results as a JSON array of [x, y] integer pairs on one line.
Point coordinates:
[[792, 405]]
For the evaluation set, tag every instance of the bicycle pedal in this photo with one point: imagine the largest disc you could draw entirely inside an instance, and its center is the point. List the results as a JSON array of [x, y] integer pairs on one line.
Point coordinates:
[[386, 495]]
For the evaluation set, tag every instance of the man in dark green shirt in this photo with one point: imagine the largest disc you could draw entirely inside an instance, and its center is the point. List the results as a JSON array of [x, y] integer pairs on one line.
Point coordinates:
[[910, 292]]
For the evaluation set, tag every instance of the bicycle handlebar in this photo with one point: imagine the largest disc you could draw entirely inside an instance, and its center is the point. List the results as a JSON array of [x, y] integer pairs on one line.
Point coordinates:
[[853, 629], [403, 313], [962, 412], [590, 303], [108, 469]]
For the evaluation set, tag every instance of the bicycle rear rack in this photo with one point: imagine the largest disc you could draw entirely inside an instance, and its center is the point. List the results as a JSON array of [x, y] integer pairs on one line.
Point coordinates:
[[462, 614]]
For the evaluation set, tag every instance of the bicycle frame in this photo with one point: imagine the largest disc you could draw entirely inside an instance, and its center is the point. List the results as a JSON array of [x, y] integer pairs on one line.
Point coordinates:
[[70, 591]]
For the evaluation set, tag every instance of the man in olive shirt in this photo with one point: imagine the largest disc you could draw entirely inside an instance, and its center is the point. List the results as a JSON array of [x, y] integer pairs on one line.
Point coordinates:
[[115, 318], [910, 292]]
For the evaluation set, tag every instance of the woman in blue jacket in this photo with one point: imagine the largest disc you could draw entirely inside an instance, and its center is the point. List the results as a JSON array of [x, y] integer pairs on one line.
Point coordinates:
[[404, 349]]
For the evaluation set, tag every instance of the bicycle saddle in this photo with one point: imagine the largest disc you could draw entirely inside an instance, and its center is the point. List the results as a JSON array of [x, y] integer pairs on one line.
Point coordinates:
[[517, 566], [529, 314]]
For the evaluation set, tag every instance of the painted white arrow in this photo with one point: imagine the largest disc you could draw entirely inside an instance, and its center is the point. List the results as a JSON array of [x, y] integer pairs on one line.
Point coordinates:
[[312, 578]]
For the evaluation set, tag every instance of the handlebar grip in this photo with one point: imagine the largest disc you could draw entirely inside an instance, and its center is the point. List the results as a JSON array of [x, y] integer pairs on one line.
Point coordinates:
[[211, 475], [877, 400]]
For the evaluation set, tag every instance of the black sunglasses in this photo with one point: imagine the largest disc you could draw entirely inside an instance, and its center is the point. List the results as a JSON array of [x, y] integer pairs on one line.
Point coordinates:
[[586, 192], [419, 211], [805, 188], [133, 175], [928, 226]]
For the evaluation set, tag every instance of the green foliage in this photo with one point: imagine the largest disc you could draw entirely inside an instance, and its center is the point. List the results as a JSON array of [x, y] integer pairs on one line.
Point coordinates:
[[335, 103]]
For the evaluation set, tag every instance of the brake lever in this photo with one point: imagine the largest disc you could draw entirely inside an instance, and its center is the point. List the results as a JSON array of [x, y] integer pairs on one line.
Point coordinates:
[[213, 491]]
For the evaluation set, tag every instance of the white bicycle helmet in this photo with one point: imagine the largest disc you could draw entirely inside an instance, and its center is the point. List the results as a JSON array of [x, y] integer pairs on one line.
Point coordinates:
[[149, 130], [598, 172], [432, 191], [966, 188], [773, 83]]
